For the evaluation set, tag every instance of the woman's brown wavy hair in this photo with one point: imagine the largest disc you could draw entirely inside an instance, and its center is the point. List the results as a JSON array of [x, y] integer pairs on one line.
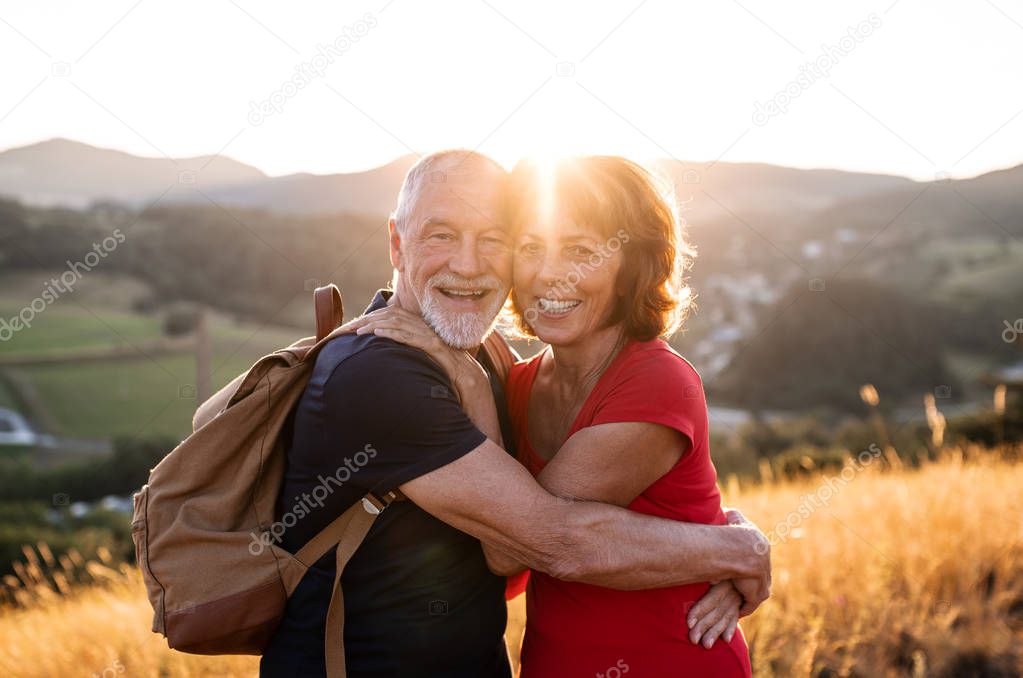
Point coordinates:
[[613, 194]]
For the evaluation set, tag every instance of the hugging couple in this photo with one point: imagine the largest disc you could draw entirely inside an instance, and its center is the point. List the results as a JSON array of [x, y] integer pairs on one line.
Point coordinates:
[[585, 478]]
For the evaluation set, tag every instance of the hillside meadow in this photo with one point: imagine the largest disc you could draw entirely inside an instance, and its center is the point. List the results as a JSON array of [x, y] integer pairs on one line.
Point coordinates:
[[876, 573]]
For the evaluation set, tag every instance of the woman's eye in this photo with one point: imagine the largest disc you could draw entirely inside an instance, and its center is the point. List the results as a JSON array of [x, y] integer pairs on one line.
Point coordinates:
[[530, 249], [579, 251]]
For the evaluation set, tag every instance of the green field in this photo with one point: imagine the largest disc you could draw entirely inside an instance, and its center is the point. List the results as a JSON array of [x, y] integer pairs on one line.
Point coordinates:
[[980, 271], [137, 394]]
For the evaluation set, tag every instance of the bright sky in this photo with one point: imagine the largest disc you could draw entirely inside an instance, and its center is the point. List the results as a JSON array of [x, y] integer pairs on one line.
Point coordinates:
[[923, 88]]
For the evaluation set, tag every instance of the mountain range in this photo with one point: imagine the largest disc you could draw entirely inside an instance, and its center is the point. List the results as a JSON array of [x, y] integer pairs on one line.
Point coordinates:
[[61, 172], [781, 208]]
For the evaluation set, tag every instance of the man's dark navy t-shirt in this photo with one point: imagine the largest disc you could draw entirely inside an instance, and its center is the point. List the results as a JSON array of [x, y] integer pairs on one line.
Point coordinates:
[[419, 599]]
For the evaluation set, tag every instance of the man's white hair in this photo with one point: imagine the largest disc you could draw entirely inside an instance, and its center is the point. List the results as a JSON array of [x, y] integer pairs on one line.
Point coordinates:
[[435, 168]]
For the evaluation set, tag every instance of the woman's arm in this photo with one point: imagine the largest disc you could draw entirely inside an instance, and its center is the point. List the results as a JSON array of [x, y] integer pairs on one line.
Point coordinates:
[[613, 463], [599, 474]]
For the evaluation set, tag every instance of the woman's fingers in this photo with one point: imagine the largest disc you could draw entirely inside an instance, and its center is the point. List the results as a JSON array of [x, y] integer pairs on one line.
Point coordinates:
[[708, 610], [715, 631], [714, 614], [390, 323], [353, 324], [356, 323], [399, 332], [732, 626], [401, 325], [393, 317], [414, 334], [402, 335], [705, 623], [705, 604]]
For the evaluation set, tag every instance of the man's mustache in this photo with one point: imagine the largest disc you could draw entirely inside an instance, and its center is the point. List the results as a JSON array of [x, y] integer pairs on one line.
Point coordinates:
[[456, 282]]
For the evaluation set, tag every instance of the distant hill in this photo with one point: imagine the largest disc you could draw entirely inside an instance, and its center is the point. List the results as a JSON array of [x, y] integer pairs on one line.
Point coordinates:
[[371, 192], [760, 188], [737, 186], [821, 218], [757, 187], [990, 204], [60, 172], [67, 173], [826, 344]]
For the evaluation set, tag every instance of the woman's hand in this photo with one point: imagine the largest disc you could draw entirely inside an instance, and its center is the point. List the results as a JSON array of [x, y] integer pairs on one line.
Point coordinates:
[[408, 328], [470, 380], [715, 615]]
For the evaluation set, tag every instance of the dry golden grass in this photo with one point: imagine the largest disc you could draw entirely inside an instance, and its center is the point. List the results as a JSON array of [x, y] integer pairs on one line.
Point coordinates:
[[915, 573]]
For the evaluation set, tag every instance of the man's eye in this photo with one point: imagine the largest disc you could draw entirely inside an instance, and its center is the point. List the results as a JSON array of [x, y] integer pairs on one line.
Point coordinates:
[[441, 236], [530, 249]]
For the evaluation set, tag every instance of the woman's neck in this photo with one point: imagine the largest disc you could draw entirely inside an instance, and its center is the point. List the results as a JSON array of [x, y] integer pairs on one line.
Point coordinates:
[[576, 367]]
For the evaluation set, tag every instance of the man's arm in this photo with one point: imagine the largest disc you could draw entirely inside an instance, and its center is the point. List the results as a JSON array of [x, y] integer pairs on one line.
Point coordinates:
[[613, 464], [492, 497]]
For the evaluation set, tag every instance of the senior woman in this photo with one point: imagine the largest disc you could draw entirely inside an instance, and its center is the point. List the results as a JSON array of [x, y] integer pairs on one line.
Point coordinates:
[[609, 412]]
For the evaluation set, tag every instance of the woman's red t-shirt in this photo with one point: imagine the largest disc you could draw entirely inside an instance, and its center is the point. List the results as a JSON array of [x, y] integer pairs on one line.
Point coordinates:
[[576, 629]]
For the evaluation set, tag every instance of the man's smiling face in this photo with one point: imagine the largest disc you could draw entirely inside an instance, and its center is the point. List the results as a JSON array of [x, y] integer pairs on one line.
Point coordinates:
[[453, 256]]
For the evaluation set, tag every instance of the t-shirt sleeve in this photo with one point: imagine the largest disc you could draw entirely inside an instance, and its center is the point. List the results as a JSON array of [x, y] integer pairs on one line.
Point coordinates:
[[404, 405], [659, 387]]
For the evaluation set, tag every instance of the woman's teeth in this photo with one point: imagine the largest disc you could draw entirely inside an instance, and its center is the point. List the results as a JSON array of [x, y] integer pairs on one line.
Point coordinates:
[[556, 305]]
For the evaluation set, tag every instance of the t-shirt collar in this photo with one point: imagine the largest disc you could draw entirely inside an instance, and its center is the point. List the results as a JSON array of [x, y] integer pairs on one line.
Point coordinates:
[[380, 300]]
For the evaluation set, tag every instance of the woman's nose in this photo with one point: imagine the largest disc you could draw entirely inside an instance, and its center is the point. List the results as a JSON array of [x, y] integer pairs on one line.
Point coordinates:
[[551, 271]]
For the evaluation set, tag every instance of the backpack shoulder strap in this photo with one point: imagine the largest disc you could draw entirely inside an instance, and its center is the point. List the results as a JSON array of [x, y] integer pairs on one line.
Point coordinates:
[[330, 310], [347, 532], [501, 355], [339, 528]]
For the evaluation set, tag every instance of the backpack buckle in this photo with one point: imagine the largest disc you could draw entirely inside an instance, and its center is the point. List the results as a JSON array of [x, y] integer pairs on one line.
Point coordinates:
[[374, 504]]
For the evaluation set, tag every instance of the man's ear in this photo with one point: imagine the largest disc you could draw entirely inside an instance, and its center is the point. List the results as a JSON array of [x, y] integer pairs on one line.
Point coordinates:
[[394, 238]]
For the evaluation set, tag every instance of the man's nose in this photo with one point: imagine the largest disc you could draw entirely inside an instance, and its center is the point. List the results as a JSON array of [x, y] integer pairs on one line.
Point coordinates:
[[467, 261]]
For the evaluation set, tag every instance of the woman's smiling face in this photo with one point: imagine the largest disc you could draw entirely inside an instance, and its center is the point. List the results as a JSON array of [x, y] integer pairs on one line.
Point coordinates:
[[564, 278]]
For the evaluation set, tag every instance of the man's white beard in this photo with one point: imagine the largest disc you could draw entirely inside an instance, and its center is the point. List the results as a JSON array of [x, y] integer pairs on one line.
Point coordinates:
[[461, 330]]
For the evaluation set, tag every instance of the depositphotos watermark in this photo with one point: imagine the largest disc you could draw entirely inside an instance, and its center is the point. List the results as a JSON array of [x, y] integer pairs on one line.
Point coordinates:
[[307, 71], [1012, 331], [305, 503], [64, 284], [580, 270], [617, 671], [115, 669], [812, 71], [810, 503]]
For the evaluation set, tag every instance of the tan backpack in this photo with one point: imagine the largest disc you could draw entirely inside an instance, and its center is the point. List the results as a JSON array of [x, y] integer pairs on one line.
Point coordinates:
[[214, 496]]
